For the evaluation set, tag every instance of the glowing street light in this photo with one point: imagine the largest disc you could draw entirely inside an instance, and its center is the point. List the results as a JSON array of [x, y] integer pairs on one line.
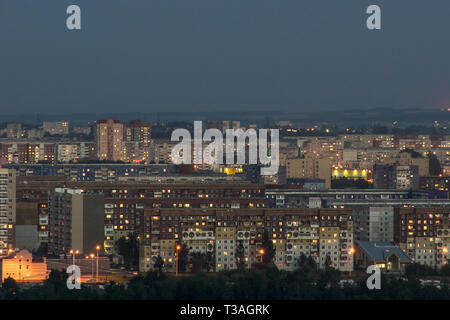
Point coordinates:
[[92, 265], [97, 248], [178, 248], [73, 253], [351, 252], [444, 251], [261, 252]]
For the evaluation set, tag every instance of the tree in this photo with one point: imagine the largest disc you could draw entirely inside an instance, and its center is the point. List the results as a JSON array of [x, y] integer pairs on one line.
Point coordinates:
[[43, 249], [196, 260], [306, 263], [159, 264], [128, 248], [328, 262], [417, 270], [201, 261], [267, 246], [10, 288], [183, 258], [434, 165], [240, 255]]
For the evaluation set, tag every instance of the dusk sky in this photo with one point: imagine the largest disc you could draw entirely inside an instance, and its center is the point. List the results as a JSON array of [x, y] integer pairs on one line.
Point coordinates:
[[219, 55]]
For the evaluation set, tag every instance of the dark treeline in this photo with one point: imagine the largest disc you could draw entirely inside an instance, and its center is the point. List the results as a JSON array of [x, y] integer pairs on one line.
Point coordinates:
[[263, 284]]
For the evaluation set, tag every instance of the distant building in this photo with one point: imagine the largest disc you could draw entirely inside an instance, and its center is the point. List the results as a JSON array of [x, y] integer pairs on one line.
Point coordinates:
[[396, 177], [406, 159], [109, 138], [14, 131], [22, 267], [309, 168], [68, 152], [136, 131], [56, 128]]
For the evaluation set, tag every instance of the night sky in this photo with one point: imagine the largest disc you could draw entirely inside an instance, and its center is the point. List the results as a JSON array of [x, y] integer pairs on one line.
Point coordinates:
[[217, 55]]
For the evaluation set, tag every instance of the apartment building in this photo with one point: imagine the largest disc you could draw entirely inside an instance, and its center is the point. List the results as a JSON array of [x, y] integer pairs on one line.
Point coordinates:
[[68, 152], [309, 168], [7, 210], [57, 127], [125, 203], [108, 139], [75, 221], [406, 159], [396, 177], [137, 131], [326, 235], [423, 233], [374, 224]]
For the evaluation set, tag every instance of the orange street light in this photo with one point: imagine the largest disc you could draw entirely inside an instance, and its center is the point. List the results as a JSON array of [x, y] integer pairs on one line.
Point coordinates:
[[261, 252], [178, 248], [351, 251], [92, 265], [73, 253], [97, 248], [444, 251]]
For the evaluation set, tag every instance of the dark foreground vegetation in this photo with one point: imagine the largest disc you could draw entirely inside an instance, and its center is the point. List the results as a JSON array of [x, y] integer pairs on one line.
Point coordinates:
[[266, 283]]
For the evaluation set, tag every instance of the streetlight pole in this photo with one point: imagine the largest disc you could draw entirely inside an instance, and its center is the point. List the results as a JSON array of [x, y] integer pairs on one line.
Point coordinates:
[[350, 255], [261, 252], [178, 248], [73, 253], [92, 265], [97, 248]]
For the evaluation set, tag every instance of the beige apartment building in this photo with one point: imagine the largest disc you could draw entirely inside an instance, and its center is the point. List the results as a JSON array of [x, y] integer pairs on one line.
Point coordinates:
[[309, 167], [405, 159], [108, 138]]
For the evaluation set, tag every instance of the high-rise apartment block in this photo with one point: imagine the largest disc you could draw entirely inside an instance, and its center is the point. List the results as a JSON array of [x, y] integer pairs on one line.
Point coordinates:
[[76, 221], [423, 233], [108, 138], [7, 209], [309, 167]]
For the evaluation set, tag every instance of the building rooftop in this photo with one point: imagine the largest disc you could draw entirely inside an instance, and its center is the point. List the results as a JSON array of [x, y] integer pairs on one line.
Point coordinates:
[[380, 251]]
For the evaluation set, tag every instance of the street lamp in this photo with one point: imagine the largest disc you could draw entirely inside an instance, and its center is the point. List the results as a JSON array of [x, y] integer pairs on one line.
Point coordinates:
[[92, 265], [261, 252], [73, 253], [351, 251], [178, 248], [97, 248], [444, 251]]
